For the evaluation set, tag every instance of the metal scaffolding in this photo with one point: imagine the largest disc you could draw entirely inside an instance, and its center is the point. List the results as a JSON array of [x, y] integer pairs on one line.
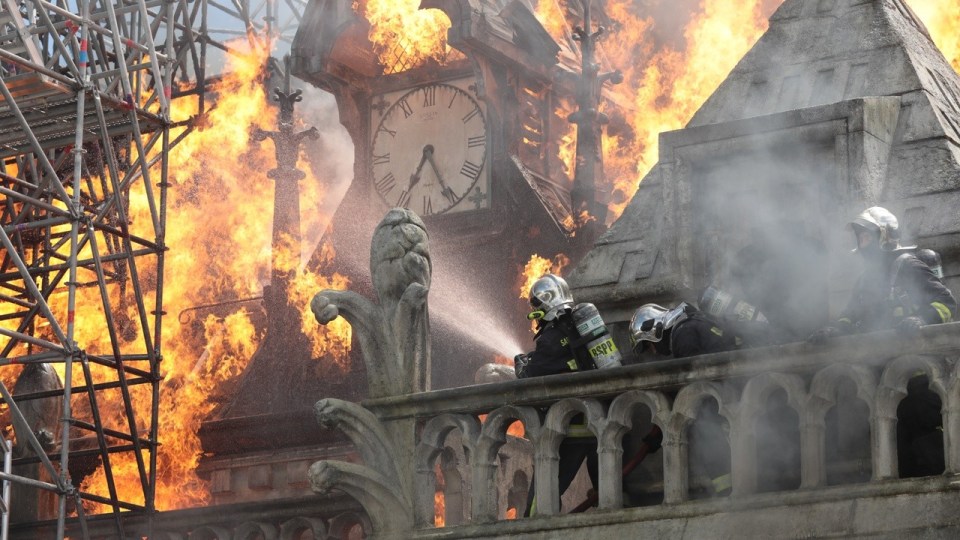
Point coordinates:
[[85, 130]]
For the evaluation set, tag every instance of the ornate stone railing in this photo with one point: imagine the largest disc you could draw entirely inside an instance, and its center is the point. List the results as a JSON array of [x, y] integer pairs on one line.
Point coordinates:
[[878, 365]]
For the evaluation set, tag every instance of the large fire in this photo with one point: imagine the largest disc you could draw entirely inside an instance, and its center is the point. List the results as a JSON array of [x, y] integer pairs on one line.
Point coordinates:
[[218, 227], [405, 36]]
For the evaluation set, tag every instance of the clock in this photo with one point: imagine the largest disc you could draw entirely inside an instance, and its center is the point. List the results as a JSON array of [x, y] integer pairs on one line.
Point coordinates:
[[429, 150]]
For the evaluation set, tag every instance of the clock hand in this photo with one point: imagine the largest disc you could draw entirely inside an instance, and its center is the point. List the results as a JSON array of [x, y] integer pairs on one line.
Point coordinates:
[[445, 189], [415, 177]]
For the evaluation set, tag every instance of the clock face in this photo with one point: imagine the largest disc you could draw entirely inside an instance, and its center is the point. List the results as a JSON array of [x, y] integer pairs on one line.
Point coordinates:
[[429, 151]]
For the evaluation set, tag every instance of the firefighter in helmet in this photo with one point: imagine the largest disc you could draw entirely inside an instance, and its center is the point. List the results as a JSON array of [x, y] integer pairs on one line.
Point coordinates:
[[552, 307], [897, 289], [681, 332], [678, 332], [556, 351]]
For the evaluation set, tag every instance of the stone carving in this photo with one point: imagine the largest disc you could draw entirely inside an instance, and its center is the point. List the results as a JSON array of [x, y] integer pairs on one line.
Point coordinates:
[[377, 484], [389, 512], [394, 334], [394, 339], [364, 430]]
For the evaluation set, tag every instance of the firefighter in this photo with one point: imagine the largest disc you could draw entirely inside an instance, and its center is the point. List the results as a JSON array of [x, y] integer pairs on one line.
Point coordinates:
[[932, 259], [556, 352], [897, 289], [678, 332]]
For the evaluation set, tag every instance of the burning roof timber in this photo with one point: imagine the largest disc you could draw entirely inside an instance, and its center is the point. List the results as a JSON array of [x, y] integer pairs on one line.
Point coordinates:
[[336, 50], [815, 68]]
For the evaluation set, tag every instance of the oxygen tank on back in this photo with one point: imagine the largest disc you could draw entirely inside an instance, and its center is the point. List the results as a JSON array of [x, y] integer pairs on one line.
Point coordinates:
[[723, 305], [592, 329]]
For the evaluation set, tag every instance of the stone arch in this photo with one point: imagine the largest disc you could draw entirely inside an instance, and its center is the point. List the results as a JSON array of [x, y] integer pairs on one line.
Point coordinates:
[[620, 419], [432, 442], [560, 413], [493, 435], [689, 398], [893, 389], [341, 525], [823, 388], [753, 470], [686, 417], [255, 530], [821, 404], [893, 382], [210, 533], [759, 388], [291, 529]]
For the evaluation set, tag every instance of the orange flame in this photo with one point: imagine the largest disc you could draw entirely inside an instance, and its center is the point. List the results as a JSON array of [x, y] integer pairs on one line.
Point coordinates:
[[439, 501], [942, 19], [405, 37], [219, 228], [536, 267]]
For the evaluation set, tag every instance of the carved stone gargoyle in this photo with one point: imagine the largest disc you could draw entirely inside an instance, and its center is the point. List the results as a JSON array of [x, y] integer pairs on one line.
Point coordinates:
[[394, 341], [394, 333]]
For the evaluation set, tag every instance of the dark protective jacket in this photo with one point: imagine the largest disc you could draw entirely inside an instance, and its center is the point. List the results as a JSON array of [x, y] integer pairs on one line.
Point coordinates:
[[699, 334], [901, 286], [555, 350]]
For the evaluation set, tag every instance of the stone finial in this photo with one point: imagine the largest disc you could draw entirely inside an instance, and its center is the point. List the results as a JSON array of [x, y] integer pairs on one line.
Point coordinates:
[[394, 333]]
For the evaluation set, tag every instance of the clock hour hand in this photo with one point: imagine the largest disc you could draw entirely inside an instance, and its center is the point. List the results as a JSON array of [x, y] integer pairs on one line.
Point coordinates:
[[445, 189], [415, 177]]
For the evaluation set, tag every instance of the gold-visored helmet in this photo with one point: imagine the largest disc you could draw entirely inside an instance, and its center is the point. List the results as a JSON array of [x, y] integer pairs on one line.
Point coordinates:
[[549, 296]]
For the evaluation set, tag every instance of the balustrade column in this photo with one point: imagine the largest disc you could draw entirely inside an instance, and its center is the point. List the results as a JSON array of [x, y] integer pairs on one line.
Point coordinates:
[[812, 467], [546, 482], [676, 474], [423, 504], [951, 432], [743, 456], [610, 464], [883, 440], [483, 494]]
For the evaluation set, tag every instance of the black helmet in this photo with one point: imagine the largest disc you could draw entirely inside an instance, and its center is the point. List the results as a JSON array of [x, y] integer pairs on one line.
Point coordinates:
[[932, 259]]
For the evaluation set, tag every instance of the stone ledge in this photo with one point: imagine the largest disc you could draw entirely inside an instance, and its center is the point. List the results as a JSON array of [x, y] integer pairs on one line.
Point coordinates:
[[890, 509]]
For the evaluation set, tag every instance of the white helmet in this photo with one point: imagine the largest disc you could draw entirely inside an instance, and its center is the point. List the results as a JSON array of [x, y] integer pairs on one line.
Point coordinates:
[[882, 224], [549, 295]]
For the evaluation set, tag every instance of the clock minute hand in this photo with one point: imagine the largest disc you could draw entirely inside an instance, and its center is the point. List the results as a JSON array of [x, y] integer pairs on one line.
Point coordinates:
[[445, 189]]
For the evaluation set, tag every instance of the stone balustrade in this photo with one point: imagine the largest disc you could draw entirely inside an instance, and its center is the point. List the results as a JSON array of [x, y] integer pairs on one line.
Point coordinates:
[[878, 366]]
